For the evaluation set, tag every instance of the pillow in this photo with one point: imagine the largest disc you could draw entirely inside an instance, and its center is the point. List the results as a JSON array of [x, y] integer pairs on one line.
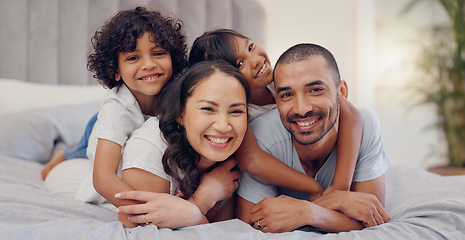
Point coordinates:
[[33, 134], [16, 96]]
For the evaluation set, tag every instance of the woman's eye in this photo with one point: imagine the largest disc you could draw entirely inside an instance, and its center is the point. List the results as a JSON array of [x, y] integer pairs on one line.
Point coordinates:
[[240, 64], [208, 109], [237, 111]]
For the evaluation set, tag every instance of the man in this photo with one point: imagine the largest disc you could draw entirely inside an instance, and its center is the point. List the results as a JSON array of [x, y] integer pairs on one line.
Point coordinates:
[[302, 132]]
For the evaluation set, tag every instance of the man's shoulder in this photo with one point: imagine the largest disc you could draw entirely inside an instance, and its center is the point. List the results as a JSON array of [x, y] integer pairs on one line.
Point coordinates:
[[267, 123]]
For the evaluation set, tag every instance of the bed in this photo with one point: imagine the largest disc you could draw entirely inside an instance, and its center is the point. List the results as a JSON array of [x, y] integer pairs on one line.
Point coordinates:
[[45, 107]]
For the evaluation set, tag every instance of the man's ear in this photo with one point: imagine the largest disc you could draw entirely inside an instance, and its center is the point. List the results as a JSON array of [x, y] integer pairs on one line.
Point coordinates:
[[343, 91]]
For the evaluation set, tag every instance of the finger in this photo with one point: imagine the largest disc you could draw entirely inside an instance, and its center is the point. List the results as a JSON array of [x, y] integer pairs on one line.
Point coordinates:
[[134, 195], [132, 209], [384, 214], [139, 219], [378, 219], [369, 222], [236, 174]]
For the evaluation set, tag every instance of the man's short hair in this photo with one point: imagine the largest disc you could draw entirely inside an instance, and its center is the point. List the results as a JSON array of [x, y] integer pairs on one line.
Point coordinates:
[[305, 51]]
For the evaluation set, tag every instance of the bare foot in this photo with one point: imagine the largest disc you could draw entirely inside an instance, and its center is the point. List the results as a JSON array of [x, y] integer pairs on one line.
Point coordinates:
[[57, 158]]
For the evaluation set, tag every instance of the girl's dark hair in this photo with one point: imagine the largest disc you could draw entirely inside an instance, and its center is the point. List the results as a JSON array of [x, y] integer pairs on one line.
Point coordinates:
[[215, 45], [120, 34], [180, 155]]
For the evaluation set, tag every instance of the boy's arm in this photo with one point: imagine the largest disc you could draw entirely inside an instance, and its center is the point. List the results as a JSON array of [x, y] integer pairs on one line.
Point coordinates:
[[105, 178], [264, 166], [348, 146]]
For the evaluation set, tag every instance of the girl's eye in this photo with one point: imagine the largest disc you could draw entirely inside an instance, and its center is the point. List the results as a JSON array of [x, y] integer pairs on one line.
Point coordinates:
[[240, 64], [251, 46]]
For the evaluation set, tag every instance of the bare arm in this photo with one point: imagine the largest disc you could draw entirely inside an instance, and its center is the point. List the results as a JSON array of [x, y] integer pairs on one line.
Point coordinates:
[[106, 181], [215, 186], [366, 202], [264, 166], [349, 140], [282, 214]]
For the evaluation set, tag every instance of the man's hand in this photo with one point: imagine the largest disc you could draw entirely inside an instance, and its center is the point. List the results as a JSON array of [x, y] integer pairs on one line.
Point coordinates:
[[280, 214], [357, 205]]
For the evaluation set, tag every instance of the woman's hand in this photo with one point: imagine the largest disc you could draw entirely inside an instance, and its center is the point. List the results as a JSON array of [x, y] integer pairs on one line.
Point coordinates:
[[161, 209]]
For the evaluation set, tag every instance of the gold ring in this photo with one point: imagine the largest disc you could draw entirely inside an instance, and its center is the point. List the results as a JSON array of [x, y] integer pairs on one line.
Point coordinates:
[[145, 219]]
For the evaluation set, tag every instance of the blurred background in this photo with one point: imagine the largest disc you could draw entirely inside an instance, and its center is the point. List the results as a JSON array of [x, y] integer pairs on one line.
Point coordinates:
[[377, 45]]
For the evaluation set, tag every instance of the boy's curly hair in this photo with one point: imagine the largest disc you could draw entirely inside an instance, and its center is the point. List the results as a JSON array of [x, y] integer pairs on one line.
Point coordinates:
[[120, 34]]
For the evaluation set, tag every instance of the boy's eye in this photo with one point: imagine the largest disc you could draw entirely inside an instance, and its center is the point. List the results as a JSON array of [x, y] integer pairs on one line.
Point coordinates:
[[159, 53], [131, 58]]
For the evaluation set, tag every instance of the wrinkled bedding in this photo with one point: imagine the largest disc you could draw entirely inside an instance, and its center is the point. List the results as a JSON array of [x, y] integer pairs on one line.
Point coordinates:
[[422, 205]]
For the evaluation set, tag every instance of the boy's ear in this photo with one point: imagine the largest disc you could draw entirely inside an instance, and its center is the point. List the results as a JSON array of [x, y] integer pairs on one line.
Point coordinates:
[[117, 76], [343, 91]]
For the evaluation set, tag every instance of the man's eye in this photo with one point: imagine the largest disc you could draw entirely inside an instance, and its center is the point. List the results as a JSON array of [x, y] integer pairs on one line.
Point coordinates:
[[316, 90], [285, 96]]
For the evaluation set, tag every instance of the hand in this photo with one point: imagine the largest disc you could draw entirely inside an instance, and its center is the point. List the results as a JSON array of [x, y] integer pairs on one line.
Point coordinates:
[[217, 185], [357, 205], [281, 214], [161, 209]]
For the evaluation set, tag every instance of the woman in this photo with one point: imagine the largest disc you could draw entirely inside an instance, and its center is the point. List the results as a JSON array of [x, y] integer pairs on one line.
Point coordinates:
[[203, 121]]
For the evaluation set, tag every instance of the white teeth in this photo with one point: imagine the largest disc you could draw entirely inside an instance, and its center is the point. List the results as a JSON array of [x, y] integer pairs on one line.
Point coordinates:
[[150, 78], [261, 70], [218, 140], [305, 124]]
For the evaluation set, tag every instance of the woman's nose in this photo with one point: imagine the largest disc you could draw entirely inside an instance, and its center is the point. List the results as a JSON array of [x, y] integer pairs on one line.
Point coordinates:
[[222, 123]]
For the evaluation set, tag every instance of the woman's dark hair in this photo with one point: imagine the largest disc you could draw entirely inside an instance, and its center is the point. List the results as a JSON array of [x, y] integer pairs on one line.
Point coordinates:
[[120, 34], [180, 155], [215, 45]]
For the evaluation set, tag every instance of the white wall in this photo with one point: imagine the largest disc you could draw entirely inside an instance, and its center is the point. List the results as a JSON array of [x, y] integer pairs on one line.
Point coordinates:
[[375, 48]]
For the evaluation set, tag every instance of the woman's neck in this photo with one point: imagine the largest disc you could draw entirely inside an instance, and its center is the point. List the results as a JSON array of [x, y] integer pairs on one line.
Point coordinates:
[[262, 97]]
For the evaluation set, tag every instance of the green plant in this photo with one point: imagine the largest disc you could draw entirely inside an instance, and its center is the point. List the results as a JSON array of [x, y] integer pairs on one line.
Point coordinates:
[[443, 82]]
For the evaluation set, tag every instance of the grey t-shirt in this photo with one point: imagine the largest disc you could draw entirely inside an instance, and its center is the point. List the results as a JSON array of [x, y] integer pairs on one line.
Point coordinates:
[[274, 138]]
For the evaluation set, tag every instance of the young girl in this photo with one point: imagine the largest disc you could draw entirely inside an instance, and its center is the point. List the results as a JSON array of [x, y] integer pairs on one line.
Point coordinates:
[[135, 54], [253, 62], [203, 121]]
